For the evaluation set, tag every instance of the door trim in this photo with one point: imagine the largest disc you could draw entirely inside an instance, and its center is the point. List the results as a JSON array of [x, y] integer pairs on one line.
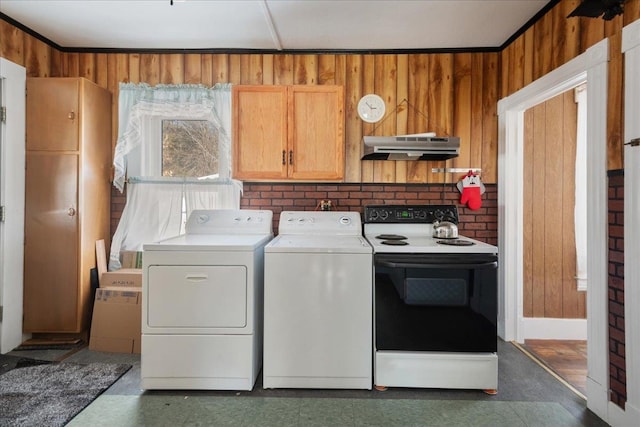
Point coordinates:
[[631, 50], [589, 67], [13, 81]]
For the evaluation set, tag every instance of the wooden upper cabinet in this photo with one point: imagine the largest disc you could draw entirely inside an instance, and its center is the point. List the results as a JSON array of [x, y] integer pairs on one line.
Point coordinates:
[[288, 132], [259, 132], [57, 113]]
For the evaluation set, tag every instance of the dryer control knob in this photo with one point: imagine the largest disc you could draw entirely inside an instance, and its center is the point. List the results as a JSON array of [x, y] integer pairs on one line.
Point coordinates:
[[345, 220]]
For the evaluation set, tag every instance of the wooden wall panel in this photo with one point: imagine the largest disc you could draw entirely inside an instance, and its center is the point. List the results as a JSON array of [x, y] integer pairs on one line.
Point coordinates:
[[385, 86], [368, 73], [571, 31], [538, 183], [402, 111], [488, 159], [615, 99], [476, 109], [527, 217], [549, 252], [192, 68], [553, 206], [353, 129], [12, 43], [440, 104], [417, 120], [37, 57], [462, 112]]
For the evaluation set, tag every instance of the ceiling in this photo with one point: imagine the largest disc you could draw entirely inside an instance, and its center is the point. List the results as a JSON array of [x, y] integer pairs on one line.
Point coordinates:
[[279, 25]]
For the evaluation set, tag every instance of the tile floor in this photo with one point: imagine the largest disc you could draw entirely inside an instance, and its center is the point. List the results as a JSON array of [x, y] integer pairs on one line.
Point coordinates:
[[527, 396]]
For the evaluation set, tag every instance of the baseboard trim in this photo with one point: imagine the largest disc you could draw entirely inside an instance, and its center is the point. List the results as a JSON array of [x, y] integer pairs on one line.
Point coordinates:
[[554, 329]]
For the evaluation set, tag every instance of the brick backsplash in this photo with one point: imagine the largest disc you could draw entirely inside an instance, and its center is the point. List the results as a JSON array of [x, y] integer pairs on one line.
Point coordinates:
[[481, 224], [617, 362]]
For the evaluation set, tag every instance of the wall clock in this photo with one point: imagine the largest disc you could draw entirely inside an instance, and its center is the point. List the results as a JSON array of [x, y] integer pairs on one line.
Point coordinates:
[[371, 108]]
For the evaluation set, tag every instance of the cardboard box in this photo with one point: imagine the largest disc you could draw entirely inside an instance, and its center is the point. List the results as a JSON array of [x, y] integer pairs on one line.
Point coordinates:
[[131, 259], [131, 277], [125, 277], [116, 325]]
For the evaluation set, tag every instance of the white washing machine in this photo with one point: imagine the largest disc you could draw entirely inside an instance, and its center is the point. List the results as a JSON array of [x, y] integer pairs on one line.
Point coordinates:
[[318, 303], [202, 303]]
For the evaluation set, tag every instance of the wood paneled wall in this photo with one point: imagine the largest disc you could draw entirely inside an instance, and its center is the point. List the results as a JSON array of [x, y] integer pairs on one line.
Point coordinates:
[[549, 249], [452, 94]]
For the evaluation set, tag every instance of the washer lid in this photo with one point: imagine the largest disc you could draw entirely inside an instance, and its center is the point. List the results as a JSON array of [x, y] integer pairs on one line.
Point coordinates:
[[319, 244], [210, 242]]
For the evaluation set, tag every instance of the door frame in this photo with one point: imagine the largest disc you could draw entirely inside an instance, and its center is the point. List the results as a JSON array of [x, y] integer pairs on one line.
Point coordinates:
[[12, 184], [631, 51], [590, 67]]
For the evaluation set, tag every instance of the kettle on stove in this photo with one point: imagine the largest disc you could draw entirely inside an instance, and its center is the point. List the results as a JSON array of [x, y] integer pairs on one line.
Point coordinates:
[[445, 230]]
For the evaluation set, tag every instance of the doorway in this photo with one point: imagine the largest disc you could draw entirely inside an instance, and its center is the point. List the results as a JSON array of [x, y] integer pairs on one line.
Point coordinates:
[[590, 68], [554, 236]]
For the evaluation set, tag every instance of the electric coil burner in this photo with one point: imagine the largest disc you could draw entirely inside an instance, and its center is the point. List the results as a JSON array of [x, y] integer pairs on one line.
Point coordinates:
[[394, 242], [391, 237], [435, 301], [455, 242]]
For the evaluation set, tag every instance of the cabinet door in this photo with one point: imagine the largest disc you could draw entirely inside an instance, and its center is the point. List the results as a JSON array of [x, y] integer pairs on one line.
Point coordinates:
[[260, 132], [53, 116], [316, 137], [51, 243]]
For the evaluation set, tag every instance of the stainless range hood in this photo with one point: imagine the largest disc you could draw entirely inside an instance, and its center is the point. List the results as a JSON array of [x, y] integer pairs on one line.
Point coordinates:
[[411, 147]]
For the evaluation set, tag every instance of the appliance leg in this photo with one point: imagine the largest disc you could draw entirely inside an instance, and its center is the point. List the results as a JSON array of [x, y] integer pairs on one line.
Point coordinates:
[[380, 387], [490, 391]]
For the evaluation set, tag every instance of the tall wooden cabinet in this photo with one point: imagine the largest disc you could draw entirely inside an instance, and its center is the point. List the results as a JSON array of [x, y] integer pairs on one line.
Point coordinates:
[[288, 132], [67, 208]]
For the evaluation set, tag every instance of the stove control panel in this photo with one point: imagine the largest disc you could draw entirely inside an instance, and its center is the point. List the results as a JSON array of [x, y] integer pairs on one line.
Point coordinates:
[[408, 214]]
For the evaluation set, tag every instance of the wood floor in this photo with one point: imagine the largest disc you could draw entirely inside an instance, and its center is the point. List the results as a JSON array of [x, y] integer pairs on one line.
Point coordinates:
[[568, 359]]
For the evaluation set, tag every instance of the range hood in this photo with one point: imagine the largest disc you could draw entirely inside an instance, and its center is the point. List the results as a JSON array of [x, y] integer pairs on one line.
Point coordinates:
[[426, 146]]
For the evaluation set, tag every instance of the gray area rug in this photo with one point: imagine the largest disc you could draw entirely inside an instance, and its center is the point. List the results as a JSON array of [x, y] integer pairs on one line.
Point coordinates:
[[52, 394]]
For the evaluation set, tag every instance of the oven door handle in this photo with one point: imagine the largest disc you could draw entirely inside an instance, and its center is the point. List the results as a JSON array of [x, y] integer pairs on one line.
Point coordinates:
[[487, 265]]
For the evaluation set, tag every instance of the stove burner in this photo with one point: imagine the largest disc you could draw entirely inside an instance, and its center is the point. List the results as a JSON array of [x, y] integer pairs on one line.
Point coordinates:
[[455, 242], [395, 242], [390, 237]]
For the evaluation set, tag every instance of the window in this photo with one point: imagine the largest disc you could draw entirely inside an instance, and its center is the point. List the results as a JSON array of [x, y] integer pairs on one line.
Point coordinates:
[[190, 148], [174, 153]]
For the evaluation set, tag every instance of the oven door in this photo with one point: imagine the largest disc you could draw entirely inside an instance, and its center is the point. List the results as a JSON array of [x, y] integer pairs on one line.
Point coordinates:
[[436, 302]]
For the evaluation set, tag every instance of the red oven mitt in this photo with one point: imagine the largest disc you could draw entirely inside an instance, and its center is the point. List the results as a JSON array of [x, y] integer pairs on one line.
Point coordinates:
[[472, 189]]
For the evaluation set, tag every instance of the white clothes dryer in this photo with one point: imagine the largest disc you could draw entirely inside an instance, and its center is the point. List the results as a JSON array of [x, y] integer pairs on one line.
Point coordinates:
[[318, 303], [202, 303]]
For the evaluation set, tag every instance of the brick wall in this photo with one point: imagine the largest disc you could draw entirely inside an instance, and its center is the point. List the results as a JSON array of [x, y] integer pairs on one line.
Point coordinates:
[[617, 365], [481, 224]]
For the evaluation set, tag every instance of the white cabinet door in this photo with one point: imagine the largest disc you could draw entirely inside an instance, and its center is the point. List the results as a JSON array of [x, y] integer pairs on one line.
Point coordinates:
[[197, 296], [12, 158]]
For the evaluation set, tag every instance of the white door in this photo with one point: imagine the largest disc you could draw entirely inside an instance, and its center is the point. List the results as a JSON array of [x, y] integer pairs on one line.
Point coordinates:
[[12, 164], [631, 49]]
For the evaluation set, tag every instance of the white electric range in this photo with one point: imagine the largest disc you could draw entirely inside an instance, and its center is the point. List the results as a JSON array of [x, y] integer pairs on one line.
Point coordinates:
[[202, 303], [435, 301]]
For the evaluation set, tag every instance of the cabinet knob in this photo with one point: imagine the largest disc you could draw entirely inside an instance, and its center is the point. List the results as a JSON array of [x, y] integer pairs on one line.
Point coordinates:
[[284, 157], [71, 212], [290, 157], [71, 115]]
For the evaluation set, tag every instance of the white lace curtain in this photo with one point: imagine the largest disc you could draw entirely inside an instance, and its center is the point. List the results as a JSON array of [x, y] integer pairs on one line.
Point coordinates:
[[156, 206]]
